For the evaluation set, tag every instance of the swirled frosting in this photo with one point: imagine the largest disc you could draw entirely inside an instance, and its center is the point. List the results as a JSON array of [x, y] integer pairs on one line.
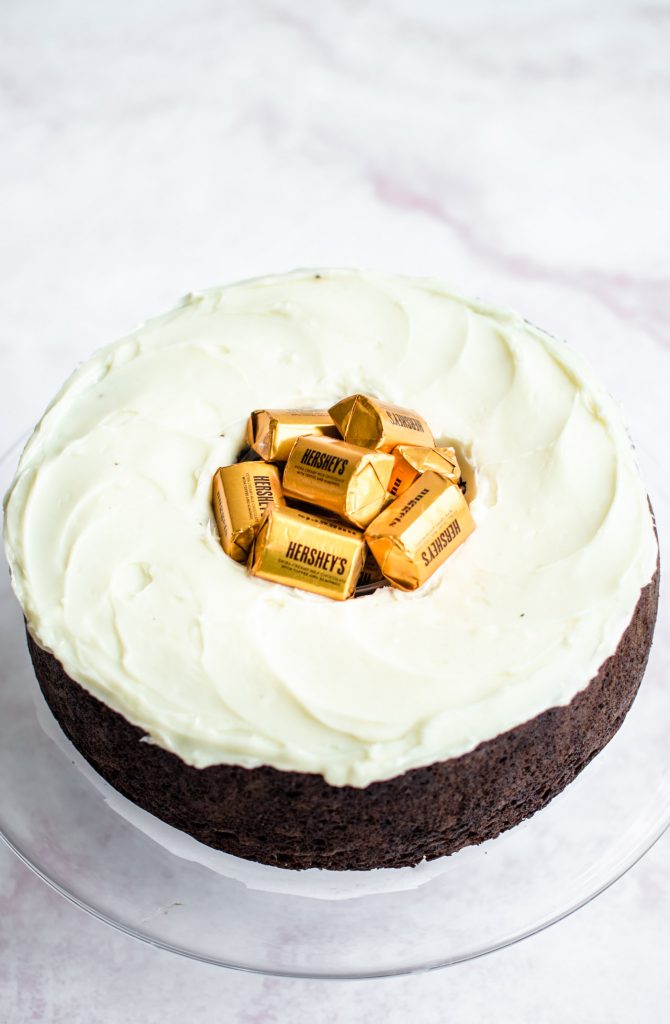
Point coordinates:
[[116, 563]]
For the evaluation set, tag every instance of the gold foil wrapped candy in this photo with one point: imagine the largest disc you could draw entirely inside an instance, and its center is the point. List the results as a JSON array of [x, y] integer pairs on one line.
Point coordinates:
[[386, 477], [240, 496], [340, 477], [366, 421], [416, 534], [412, 460], [272, 432], [308, 552]]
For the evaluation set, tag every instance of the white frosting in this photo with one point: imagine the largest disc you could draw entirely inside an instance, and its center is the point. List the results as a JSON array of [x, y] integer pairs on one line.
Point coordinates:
[[116, 563]]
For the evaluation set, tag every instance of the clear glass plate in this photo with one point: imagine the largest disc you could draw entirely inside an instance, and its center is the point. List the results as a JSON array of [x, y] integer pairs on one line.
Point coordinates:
[[150, 881]]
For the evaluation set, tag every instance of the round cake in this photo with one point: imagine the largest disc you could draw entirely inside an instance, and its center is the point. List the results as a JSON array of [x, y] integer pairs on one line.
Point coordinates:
[[285, 727]]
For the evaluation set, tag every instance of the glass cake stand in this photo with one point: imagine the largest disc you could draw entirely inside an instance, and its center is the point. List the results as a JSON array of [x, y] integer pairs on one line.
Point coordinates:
[[149, 880]]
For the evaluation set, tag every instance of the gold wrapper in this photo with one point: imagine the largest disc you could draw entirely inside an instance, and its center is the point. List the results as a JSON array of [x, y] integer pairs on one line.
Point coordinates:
[[412, 460], [240, 496], [340, 477], [272, 432], [308, 552], [416, 534], [373, 424]]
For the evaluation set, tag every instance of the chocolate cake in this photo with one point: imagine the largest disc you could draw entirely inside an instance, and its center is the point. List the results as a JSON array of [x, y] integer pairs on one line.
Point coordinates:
[[293, 820], [282, 726]]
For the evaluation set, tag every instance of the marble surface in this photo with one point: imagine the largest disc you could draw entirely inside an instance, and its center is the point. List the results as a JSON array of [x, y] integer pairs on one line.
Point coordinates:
[[520, 151]]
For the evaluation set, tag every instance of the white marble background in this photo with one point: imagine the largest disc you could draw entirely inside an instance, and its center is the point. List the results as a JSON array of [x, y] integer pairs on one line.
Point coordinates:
[[521, 150]]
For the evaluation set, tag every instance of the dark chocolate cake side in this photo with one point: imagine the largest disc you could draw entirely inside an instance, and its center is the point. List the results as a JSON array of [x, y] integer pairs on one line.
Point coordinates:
[[296, 820]]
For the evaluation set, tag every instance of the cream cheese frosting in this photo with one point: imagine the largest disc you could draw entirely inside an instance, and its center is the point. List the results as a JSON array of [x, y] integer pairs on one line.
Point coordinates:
[[115, 560]]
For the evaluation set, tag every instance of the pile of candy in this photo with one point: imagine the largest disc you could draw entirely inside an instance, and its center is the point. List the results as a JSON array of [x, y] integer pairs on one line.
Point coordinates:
[[343, 501]]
